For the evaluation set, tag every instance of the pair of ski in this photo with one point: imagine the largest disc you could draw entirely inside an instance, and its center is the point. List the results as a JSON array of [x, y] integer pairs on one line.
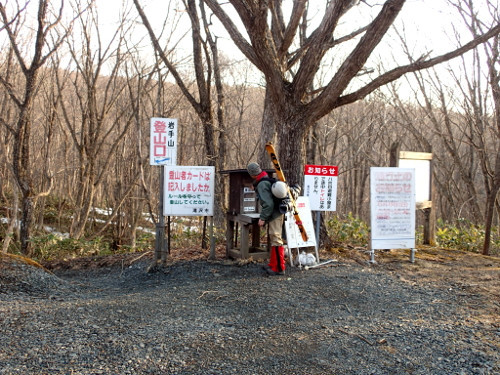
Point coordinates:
[[279, 173]]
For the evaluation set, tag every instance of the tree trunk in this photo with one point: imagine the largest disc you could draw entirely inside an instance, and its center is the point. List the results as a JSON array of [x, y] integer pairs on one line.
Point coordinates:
[[84, 203], [27, 209], [490, 209], [10, 232], [267, 131], [292, 131], [22, 172]]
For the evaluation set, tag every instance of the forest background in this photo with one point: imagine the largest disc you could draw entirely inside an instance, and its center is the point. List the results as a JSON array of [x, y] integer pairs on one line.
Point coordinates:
[[80, 80]]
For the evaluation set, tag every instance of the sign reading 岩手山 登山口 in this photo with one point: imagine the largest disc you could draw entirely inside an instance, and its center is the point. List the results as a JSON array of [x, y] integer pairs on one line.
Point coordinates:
[[163, 141]]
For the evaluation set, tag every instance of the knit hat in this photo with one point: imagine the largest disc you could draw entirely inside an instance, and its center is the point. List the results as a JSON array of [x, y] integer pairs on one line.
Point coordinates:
[[254, 169]]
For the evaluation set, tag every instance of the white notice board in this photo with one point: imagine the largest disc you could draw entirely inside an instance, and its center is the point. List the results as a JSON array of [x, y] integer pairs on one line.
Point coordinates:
[[189, 191], [293, 237], [392, 204]]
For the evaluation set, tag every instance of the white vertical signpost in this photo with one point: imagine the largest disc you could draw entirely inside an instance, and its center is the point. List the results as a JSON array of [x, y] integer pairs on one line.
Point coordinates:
[[320, 186], [162, 151], [163, 141], [294, 238], [392, 204]]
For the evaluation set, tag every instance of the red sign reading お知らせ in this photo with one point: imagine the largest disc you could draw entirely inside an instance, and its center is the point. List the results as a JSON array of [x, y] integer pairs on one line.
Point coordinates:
[[320, 185]]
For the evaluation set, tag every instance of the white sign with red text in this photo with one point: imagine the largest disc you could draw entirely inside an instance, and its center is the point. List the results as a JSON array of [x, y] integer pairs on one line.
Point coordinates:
[[392, 204], [189, 191], [163, 141], [293, 237], [320, 185]]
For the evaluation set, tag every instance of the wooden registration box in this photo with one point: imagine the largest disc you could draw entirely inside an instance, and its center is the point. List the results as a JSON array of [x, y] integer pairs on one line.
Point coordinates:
[[242, 197], [243, 232]]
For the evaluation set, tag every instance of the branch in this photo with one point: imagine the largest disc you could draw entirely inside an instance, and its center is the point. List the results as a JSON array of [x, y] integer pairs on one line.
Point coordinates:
[[296, 15], [12, 36], [10, 91], [317, 45], [6, 124], [48, 190], [396, 73], [163, 57], [19, 11], [235, 35], [116, 209], [358, 57], [297, 55]]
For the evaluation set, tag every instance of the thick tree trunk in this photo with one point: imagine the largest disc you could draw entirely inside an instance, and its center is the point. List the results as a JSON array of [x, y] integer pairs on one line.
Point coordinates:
[[267, 131], [292, 148]]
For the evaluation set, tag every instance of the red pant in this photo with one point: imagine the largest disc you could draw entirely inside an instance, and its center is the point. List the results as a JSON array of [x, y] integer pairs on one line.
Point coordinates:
[[277, 258]]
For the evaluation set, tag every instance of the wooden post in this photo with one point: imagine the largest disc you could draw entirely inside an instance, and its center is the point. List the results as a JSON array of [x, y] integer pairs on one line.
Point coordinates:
[[245, 230], [394, 155], [429, 227], [230, 243], [161, 244], [430, 214], [212, 239]]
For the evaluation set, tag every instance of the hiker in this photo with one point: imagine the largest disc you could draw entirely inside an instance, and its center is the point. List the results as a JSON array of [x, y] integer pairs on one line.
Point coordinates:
[[269, 214]]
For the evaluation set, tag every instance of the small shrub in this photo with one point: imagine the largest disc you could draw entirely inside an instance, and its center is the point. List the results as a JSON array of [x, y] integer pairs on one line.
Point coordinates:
[[43, 245], [144, 241], [350, 230], [50, 247], [462, 236], [465, 236]]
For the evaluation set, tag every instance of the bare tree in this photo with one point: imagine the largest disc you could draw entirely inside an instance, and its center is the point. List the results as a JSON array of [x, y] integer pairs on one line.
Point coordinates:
[[244, 106], [45, 43], [490, 169], [206, 68], [9, 191], [96, 124], [270, 47]]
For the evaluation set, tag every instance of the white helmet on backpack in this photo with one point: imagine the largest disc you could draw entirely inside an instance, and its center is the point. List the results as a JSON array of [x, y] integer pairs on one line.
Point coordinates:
[[279, 189]]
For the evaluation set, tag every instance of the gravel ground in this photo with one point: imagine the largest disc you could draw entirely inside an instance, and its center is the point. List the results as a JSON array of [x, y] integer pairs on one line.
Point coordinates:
[[203, 317]]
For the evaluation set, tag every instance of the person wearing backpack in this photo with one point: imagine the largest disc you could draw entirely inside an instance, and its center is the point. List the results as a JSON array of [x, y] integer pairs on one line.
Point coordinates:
[[269, 214]]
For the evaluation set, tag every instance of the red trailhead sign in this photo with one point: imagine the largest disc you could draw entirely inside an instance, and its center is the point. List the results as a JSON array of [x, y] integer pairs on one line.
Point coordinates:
[[163, 141]]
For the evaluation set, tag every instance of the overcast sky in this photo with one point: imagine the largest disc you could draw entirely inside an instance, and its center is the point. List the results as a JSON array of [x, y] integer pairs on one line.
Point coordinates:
[[428, 25]]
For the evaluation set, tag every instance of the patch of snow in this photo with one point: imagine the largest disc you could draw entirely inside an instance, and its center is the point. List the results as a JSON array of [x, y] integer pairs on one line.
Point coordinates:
[[103, 211], [55, 232]]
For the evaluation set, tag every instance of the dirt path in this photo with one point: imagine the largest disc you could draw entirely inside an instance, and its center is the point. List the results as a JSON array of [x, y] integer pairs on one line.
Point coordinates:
[[439, 315]]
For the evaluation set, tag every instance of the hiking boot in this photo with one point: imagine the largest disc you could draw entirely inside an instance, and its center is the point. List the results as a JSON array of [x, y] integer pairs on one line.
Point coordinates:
[[270, 272]]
